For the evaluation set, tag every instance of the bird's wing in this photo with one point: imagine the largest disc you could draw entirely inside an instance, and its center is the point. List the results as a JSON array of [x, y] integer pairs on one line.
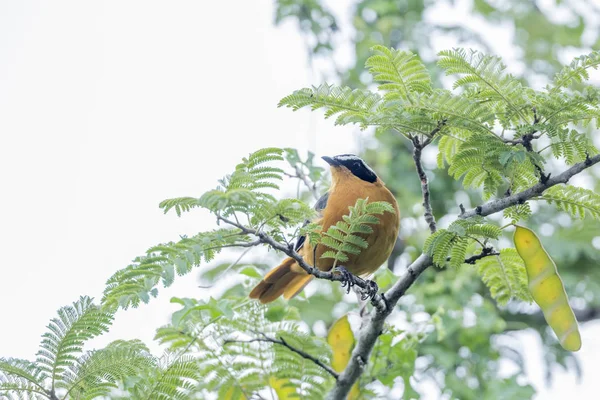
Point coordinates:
[[319, 206]]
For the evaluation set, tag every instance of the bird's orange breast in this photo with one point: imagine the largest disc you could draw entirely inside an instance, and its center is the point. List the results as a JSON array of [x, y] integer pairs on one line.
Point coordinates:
[[345, 191]]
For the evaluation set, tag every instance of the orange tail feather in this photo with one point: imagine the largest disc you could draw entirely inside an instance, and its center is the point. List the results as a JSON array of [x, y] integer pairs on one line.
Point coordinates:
[[282, 280]]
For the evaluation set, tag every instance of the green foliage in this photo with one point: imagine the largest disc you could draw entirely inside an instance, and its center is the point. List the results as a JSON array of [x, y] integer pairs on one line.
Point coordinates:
[[98, 372], [400, 73], [63, 367], [350, 106], [314, 20], [486, 75], [137, 282], [454, 242], [243, 190], [344, 237], [576, 71], [541, 42], [490, 163], [466, 122], [505, 276], [517, 212], [180, 204], [306, 168], [394, 357], [172, 377], [577, 201], [540, 38], [488, 130], [66, 336], [232, 363], [21, 379], [241, 193], [571, 145], [310, 380]]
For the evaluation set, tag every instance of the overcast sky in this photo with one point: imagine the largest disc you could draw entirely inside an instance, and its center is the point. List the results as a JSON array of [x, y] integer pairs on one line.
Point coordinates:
[[107, 108]]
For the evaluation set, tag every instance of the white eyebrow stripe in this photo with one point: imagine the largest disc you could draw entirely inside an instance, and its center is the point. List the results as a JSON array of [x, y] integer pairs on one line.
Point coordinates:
[[347, 157], [352, 157]]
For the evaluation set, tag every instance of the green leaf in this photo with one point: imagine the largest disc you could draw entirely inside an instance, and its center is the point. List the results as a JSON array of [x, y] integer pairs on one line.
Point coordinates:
[[505, 275], [577, 201], [63, 342], [400, 72]]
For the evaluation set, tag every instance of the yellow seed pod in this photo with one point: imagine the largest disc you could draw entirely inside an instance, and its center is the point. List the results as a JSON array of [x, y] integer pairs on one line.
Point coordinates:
[[547, 288], [283, 387], [341, 339]]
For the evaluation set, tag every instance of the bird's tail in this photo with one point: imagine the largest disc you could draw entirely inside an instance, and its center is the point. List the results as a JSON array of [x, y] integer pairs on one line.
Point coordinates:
[[287, 279]]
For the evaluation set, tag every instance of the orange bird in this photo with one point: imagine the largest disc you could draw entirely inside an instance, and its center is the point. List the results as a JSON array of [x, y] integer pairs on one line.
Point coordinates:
[[351, 179]]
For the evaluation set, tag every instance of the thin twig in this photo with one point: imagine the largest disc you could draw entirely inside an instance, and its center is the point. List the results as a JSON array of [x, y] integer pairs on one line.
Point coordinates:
[[233, 264], [485, 252], [282, 342], [312, 186]]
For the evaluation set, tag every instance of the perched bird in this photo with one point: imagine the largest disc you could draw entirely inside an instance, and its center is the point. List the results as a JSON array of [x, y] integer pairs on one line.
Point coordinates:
[[351, 179]]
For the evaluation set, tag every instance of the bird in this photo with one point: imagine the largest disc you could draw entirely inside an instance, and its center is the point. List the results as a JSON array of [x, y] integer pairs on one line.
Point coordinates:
[[351, 179]]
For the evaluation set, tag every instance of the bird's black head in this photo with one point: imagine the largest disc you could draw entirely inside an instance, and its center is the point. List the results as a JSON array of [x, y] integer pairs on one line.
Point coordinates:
[[355, 164]]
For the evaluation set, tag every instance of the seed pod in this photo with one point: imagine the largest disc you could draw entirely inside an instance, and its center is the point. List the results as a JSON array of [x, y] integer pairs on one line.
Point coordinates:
[[547, 288], [341, 339]]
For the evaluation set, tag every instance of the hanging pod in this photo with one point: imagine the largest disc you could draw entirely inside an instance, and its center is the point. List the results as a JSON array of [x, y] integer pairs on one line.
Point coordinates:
[[547, 288]]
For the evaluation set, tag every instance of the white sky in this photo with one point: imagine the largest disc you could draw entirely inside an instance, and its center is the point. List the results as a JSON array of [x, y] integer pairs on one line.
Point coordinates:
[[107, 108]]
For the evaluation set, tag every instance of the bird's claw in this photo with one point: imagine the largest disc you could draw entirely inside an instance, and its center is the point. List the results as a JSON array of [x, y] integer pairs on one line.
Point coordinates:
[[348, 280], [368, 288]]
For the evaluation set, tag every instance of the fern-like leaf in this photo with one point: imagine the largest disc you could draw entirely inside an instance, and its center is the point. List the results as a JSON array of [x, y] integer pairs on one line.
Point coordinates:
[[454, 242], [344, 238], [180, 204], [21, 379], [138, 282], [487, 73], [518, 212], [351, 105], [62, 344], [575, 200], [576, 71], [505, 275], [400, 72], [96, 373]]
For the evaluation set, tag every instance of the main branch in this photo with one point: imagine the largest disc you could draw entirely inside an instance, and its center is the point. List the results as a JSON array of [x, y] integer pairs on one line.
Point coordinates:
[[371, 330], [494, 206]]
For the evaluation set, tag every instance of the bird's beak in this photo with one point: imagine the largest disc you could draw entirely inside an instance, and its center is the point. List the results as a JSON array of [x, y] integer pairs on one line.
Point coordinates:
[[330, 161]]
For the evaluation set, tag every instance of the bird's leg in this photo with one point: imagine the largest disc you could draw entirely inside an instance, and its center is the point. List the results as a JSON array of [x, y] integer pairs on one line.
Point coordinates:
[[368, 288], [348, 280]]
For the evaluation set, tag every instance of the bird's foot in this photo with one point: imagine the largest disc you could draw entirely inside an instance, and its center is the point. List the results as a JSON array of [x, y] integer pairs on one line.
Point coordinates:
[[368, 288], [348, 279]]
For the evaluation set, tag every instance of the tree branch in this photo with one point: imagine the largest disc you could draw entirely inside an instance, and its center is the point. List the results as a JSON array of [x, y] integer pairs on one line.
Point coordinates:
[[374, 327], [376, 300], [282, 342], [371, 330], [312, 186], [485, 252], [492, 207], [428, 214]]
